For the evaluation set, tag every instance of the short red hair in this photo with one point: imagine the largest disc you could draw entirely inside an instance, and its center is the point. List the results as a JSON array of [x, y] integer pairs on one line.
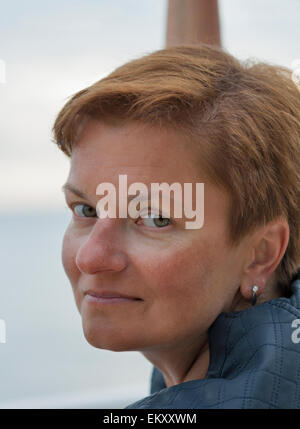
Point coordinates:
[[245, 117]]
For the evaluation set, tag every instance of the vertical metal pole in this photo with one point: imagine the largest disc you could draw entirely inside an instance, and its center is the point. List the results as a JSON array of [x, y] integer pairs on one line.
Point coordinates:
[[193, 22]]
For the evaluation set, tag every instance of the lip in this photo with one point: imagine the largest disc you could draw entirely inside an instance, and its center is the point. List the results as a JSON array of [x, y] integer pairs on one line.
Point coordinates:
[[109, 297]]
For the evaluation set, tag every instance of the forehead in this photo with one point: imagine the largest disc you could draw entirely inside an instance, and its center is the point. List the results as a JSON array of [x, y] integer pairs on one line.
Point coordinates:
[[139, 150], [146, 155]]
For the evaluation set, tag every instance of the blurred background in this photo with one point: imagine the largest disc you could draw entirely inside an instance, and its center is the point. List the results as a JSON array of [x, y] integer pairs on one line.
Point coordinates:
[[48, 51]]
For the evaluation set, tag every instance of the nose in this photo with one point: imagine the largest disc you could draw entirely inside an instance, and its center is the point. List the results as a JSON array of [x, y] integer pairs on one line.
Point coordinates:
[[100, 250]]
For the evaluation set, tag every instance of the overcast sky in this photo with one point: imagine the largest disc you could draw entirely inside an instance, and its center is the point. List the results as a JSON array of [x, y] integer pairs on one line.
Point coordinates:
[[54, 48]]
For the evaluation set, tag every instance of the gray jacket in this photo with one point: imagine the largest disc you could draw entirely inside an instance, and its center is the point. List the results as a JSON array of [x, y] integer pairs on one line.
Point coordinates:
[[254, 362]]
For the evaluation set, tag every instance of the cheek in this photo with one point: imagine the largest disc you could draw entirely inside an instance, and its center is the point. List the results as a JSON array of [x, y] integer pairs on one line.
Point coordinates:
[[176, 286], [68, 255], [180, 274]]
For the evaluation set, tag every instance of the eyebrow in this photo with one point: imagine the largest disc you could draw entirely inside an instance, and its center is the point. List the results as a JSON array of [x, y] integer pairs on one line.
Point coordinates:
[[71, 188]]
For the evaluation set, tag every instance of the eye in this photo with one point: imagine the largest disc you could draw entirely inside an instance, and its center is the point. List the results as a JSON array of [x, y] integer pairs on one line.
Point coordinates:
[[156, 221], [83, 210]]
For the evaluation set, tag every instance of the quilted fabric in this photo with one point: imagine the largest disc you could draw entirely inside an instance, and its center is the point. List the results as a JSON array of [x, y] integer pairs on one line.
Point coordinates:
[[254, 362]]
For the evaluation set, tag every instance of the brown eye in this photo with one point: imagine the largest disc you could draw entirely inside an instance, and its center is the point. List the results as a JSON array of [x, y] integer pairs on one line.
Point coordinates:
[[83, 210]]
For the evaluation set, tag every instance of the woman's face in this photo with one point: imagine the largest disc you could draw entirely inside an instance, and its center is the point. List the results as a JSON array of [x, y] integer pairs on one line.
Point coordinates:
[[181, 278]]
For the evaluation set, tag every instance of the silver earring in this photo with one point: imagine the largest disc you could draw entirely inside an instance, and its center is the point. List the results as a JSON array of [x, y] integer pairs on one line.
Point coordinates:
[[254, 297]]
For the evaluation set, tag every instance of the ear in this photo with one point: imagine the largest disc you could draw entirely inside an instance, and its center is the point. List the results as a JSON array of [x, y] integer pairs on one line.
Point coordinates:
[[267, 247]]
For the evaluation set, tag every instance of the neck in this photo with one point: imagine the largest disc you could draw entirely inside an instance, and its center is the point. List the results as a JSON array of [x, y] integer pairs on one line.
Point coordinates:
[[189, 359], [186, 361]]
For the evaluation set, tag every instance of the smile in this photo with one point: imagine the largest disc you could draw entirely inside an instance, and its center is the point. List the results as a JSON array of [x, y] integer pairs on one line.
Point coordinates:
[[109, 298]]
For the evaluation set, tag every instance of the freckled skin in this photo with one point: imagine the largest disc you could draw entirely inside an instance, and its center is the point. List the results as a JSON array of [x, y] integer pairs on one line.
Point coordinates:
[[184, 277]]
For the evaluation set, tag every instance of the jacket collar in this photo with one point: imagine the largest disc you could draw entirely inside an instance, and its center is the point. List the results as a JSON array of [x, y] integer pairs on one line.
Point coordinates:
[[255, 352]]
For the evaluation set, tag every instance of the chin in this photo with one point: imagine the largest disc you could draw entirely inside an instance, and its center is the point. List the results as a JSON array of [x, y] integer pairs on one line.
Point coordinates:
[[108, 339]]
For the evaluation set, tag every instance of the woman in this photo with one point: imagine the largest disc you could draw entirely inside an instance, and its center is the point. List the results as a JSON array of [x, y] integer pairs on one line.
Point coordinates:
[[215, 309]]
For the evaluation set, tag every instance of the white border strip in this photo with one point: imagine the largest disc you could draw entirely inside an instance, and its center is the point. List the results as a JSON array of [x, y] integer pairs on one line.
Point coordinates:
[[2, 71]]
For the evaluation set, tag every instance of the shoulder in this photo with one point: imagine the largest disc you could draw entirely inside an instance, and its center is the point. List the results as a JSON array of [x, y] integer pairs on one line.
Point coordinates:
[[254, 363]]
